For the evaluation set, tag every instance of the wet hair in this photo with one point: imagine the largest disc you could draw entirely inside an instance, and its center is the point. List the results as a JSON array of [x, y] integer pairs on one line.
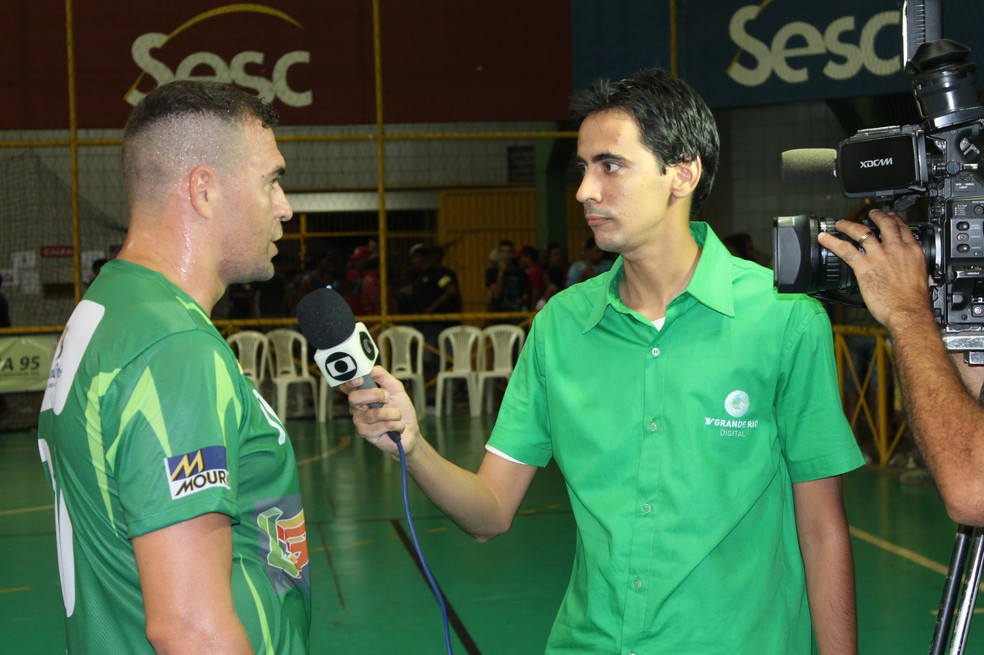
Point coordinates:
[[675, 123], [184, 124]]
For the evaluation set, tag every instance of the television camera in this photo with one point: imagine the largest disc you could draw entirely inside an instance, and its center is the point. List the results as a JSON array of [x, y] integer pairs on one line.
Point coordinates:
[[936, 162]]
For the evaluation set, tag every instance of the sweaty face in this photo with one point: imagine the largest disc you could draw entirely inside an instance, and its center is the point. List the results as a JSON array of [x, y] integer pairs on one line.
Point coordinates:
[[253, 207], [624, 194]]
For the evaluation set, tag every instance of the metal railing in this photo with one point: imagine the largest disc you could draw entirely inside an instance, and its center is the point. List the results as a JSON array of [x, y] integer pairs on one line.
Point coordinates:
[[877, 408]]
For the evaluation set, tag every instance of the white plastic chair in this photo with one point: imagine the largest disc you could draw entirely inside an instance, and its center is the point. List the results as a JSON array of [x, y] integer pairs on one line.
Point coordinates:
[[401, 352], [251, 349], [290, 367], [325, 400], [458, 347], [504, 343]]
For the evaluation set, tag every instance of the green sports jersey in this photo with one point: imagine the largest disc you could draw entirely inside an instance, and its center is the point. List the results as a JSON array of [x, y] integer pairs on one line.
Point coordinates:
[[147, 421]]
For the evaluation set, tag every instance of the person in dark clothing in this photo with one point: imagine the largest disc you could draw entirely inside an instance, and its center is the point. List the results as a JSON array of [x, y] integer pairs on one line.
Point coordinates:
[[509, 288], [435, 291]]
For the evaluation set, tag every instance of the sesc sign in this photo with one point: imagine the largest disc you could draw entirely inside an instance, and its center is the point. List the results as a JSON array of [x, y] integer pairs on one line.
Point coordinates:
[[209, 66], [845, 47]]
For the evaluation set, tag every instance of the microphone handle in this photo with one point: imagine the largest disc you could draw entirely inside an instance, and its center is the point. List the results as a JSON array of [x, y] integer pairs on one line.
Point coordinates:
[[369, 383]]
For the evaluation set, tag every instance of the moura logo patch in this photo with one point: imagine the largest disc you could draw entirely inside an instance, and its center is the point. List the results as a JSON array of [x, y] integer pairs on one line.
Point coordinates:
[[197, 471]]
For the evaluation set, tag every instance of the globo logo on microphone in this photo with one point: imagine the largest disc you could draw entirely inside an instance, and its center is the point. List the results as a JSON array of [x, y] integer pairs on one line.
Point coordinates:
[[350, 359], [340, 366]]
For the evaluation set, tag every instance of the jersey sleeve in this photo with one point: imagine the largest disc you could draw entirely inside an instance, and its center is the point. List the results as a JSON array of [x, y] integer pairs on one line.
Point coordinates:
[[176, 454]]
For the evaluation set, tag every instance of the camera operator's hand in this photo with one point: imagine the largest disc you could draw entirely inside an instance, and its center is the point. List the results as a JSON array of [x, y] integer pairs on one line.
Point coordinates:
[[944, 418], [891, 272]]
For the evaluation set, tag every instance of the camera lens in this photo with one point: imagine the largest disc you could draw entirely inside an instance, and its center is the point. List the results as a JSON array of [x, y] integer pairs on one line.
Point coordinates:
[[803, 266]]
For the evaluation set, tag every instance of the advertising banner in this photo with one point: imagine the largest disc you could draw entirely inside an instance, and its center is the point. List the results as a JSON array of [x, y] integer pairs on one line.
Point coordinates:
[[763, 53], [315, 61], [25, 361]]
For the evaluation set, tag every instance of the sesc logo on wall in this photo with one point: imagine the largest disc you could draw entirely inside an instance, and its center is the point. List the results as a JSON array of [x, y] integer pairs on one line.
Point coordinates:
[[784, 51], [844, 47], [284, 54], [269, 76], [314, 60]]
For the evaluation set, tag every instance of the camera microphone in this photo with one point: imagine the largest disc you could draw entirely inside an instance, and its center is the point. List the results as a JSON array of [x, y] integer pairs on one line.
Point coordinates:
[[808, 163], [344, 349]]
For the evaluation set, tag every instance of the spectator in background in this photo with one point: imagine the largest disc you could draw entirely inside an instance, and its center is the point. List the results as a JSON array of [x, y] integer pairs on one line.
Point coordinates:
[[371, 290], [273, 295], [529, 261], [357, 263], [418, 262], [555, 271], [321, 275], [508, 286], [435, 291], [592, 262]]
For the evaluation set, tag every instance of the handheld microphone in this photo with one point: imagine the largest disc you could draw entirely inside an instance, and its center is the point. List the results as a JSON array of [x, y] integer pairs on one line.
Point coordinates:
[[808, 163], [344, 349]]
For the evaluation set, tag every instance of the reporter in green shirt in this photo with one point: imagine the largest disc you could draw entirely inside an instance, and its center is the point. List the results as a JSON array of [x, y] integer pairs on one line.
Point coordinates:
[[693, 413]]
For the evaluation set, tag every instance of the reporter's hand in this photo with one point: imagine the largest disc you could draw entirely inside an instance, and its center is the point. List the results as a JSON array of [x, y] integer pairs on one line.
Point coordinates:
[[891, 273], [396, 415]]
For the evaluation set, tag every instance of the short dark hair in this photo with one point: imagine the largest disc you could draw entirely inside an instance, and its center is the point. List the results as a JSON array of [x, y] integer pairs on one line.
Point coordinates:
[[184, 124], [190, 98], [675, 123]]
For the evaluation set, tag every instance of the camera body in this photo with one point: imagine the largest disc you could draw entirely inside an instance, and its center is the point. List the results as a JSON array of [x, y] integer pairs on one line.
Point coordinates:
[[936, 162]]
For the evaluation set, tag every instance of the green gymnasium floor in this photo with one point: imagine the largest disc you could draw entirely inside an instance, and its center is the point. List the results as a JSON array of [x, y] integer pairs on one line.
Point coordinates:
[[371, 597]]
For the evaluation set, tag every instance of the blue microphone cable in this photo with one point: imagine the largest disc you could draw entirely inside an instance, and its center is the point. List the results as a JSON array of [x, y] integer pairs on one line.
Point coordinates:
[[420, 554]]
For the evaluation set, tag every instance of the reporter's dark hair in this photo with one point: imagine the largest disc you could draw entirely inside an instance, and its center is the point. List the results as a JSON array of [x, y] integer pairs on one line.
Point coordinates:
[[675, 123]]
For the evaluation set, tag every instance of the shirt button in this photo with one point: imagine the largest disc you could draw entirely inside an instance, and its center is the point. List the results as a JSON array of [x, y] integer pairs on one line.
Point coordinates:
[[653, 426], [637, 584], [655, 351], [646, 508]]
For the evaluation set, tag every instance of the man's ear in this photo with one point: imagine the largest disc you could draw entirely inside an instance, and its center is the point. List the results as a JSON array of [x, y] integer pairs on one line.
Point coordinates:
[[203, 190], [686, 175]]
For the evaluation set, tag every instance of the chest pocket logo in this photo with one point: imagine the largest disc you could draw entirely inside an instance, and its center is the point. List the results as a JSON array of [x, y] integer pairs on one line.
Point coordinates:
[[736, 404]]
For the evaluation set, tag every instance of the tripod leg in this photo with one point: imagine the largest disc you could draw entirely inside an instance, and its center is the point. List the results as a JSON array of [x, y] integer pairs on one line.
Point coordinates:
[[967, 602], [944, 618]]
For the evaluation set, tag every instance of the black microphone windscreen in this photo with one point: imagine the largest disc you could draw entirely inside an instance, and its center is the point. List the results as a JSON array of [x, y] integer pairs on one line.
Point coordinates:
[[325, 318], [808, 163]]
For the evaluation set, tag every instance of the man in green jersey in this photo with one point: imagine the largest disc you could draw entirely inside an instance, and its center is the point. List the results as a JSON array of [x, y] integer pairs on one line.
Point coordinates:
[[178, 510], [693, 413]]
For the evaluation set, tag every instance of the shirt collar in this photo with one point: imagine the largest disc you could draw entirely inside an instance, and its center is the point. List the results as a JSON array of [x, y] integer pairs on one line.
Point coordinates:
[[710, 284]]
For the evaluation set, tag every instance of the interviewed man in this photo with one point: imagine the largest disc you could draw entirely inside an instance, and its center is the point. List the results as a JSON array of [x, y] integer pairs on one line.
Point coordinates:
[[177, 500]]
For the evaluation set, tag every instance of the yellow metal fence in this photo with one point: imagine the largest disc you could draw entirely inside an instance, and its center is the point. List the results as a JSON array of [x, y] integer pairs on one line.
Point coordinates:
[[872, 401]]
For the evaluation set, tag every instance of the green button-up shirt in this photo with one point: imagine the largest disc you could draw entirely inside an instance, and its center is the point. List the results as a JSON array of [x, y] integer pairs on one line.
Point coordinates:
[[679, 447]]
